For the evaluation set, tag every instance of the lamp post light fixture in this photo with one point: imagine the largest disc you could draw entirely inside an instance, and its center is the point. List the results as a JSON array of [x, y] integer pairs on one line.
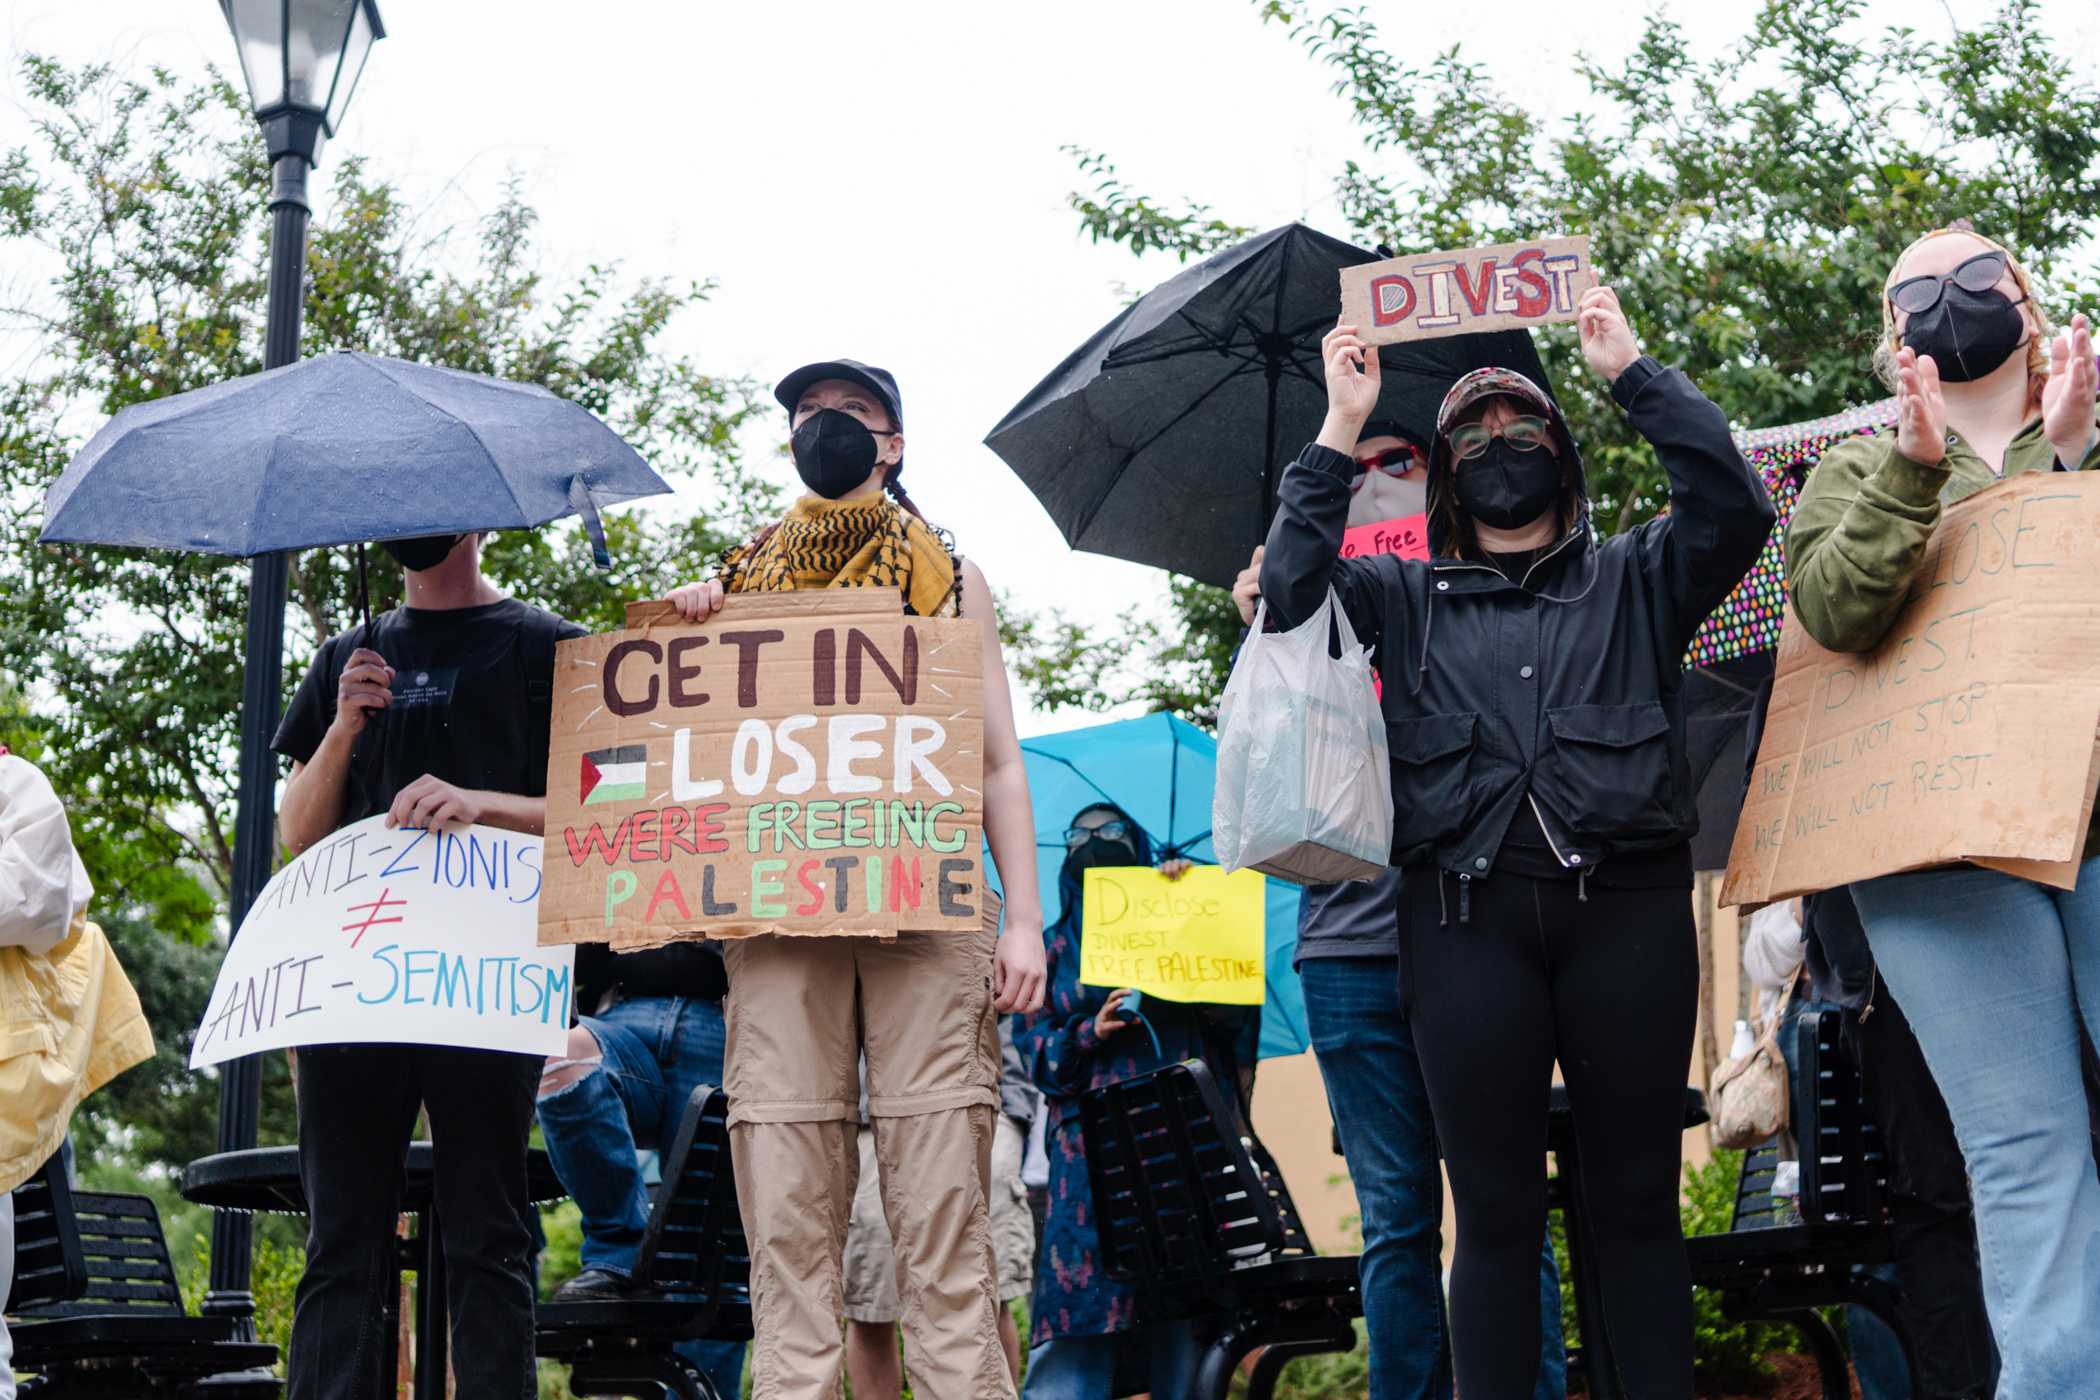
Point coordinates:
[[302, 60]]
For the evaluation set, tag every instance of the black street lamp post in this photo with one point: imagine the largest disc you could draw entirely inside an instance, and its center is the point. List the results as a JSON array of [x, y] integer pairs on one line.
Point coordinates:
[[301, 59]]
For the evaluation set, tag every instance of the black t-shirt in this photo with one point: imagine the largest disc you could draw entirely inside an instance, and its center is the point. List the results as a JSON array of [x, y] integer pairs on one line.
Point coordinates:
[[473, 697]]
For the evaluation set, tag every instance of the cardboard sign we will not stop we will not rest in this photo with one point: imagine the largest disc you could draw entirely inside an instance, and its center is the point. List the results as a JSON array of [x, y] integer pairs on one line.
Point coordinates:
[[1966, 735], [1510, 286], [806, 763]]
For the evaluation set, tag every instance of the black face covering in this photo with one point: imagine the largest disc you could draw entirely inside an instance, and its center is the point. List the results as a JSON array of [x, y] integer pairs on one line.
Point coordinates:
[[1968, 334], [422, 552], [834, 452], [1102, 852], [1508, 487]]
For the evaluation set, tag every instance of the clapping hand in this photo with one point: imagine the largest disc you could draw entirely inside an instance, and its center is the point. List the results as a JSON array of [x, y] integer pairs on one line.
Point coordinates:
[[1921, 413], [2068, 397]]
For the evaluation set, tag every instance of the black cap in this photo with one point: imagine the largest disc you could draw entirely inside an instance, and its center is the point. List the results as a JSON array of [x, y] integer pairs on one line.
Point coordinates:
[[879, 382]]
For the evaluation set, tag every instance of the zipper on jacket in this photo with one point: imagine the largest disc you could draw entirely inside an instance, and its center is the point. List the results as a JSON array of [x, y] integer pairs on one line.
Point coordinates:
[[1465, 899], [1582, 875], [1548, 557], [1547, 832]]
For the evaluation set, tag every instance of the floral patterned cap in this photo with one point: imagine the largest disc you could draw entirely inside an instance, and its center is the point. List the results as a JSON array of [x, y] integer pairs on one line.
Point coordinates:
[[1486, 383]]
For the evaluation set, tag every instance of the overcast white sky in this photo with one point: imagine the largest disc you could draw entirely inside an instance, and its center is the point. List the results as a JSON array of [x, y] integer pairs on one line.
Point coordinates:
[[885, 181]]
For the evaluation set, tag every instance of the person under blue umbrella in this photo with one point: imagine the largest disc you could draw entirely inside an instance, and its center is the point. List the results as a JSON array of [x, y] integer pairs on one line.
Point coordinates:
[[1082, 1038]]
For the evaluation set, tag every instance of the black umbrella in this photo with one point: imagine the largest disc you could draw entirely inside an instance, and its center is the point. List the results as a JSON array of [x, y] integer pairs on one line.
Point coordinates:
[[340, 450], [1159, 440]]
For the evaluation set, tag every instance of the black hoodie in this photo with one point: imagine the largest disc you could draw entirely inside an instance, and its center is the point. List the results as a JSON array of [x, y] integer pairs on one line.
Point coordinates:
[[1563, 699]]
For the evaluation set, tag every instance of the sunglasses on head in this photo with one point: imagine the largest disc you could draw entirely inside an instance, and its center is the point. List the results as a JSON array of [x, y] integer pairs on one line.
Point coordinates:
[[1078, 836], [1394, 461], [1916, 295], [1469, 440]]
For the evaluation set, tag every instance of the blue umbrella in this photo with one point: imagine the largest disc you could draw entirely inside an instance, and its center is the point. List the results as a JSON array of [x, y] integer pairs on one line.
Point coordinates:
[[341, 449], [1161, 770]]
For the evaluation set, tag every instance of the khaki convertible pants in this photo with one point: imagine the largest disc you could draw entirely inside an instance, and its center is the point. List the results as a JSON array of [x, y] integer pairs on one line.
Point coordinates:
[[801, 1013]]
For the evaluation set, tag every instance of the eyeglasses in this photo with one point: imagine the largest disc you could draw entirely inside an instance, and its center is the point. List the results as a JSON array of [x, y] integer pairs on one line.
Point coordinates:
[[1394, 461], [1078, 836], [1917, 295], [1469, 440]]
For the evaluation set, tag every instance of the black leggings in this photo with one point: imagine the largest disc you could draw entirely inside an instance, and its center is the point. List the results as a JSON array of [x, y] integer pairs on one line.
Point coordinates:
[[1609, 986]]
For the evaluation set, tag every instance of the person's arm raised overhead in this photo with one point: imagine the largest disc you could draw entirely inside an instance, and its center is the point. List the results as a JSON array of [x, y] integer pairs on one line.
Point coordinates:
[[1302, 558]]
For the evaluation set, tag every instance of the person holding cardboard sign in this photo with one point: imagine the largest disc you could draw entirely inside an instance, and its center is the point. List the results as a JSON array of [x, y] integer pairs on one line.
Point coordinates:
[[1984, 393], [1542, 813], [436, 714], [803, 1010], [1085, 1037]]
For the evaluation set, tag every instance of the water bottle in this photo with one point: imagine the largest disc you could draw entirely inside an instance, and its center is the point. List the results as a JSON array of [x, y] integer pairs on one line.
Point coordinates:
[[1744, 1041]]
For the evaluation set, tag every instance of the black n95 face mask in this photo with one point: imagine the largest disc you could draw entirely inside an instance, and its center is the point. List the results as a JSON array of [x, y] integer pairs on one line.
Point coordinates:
[[1508, 487], [1968, 334], [834, 452]]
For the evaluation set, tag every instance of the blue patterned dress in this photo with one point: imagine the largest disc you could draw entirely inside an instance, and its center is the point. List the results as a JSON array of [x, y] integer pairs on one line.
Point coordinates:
[[1074, 1296]]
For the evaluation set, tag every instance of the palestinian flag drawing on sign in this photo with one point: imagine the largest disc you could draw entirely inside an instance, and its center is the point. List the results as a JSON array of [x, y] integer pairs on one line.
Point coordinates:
[[616, 775]]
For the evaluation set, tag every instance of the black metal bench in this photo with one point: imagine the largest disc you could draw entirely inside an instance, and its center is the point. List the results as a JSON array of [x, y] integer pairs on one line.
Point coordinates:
[[692, 1255], [95, 1310], [1770, 1267], [1192, 1213]]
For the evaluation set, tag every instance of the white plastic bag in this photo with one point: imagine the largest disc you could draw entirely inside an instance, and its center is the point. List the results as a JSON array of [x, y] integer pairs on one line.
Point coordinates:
[[1305, 790]]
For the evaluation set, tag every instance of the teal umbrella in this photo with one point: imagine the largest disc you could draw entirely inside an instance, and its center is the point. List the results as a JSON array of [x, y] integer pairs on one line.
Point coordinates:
[[1161, 770]]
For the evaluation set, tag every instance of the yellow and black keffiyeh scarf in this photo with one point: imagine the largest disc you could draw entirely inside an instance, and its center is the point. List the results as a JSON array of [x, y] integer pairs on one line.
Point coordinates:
[[836, 544]]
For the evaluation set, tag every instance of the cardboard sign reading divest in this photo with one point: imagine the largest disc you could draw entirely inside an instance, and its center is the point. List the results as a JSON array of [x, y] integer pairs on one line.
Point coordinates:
[[1968, 734], [1199, 938], [1511, 286], [422, 937], [799, 763]]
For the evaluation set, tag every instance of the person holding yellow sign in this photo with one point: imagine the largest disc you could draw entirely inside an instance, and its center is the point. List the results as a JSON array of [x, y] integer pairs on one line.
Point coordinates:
[[1085, 1037]]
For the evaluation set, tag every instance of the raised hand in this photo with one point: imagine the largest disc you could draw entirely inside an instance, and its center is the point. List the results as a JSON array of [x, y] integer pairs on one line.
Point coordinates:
[[2068, 397], [1921, 413], [1607, 339], [1352, 376]]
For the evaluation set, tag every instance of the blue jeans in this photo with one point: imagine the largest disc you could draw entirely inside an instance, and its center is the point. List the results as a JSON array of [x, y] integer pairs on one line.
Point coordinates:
[[654, 1051], [1381, 1110], [1994, 973], [1084, 1368]]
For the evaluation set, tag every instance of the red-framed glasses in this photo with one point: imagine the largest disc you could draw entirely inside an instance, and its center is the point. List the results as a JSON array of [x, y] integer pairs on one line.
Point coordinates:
[[1394, 461]]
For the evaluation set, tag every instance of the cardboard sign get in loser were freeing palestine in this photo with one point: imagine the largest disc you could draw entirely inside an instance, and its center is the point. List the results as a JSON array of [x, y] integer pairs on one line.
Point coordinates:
[[807, 763], [1968, 734], [1511, 286]]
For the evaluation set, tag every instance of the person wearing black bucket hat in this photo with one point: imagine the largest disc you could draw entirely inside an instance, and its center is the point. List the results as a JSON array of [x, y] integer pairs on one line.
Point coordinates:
[[1542, 813], [921, 1008]]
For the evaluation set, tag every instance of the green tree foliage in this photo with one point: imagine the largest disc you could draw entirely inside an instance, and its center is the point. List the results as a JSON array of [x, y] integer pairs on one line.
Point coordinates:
[[136, 222], [1747, 204]]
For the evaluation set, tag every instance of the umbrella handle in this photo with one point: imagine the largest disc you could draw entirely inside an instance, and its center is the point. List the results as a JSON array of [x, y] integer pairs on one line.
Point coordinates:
[[580, 501]]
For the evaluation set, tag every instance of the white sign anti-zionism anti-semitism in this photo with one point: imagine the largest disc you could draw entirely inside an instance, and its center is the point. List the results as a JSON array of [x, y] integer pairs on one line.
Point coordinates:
[[395, 935]]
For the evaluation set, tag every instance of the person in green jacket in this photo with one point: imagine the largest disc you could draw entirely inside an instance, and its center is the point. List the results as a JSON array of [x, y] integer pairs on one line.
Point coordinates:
[[1994, 972]]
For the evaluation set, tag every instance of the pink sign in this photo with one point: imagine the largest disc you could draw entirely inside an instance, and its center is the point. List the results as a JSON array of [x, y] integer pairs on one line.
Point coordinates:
[[1407, 536]]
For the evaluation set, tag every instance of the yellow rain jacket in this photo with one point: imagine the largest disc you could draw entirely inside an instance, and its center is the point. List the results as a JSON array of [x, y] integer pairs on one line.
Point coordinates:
[[69, 1020]]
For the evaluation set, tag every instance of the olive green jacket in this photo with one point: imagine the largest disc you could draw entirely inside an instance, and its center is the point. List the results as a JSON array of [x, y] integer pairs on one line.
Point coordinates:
[[1859, 531]]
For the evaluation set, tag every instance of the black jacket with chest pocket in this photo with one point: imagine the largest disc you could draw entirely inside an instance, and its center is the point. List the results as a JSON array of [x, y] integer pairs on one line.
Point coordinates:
[[1567, 697]]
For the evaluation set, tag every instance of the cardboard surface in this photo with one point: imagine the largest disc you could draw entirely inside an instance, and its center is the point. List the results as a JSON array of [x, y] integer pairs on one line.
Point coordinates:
[[1510, 286], [1968, 734], [401, 936], [1406, 536], [805, 763], [1201, 938]]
